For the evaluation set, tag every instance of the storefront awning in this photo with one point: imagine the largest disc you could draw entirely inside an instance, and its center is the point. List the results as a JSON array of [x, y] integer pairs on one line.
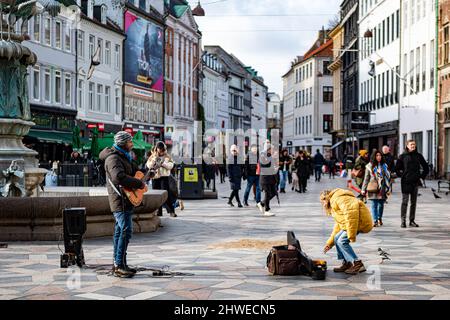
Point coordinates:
[[52, 136]]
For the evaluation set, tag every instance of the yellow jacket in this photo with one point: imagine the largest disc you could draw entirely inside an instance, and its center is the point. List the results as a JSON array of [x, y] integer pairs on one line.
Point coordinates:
[[350, 214]]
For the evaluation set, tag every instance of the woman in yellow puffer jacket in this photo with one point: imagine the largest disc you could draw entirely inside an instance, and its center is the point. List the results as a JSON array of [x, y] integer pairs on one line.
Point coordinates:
[[351, 218]]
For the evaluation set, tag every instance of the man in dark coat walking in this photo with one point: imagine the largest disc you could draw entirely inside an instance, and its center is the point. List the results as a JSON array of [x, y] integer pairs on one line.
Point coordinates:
[[250, 173], [120, 172], [235, 171], [319, 161], [411, 167]]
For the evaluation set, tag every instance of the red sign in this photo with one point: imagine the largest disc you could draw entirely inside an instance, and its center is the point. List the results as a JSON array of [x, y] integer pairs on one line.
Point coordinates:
[[100, 126]]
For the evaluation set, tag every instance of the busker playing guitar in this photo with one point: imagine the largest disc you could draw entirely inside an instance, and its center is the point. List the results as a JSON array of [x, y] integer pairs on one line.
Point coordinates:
[[120, 172]]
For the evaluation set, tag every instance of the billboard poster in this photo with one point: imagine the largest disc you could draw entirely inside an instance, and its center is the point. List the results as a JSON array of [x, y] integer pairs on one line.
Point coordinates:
[[143, 53]]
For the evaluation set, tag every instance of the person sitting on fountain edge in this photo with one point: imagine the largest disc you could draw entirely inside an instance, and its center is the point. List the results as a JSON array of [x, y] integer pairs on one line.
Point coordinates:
[[120, 172]]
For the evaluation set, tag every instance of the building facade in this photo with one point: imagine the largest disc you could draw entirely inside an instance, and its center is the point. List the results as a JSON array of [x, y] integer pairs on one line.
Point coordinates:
[[379, 69], [311, 99], [275, 113], [182, 68], [418, 93], [99, 95], [443, 166], [338, 132], [259, 102], [236, 76], [350, 68], [214, 97], [52, 84]]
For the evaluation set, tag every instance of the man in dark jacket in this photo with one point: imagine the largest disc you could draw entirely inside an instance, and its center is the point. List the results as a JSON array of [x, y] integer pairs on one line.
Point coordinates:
[[251, 165], [408, 167], [234, 170], [388, 158], [319, 161], [120, 173]]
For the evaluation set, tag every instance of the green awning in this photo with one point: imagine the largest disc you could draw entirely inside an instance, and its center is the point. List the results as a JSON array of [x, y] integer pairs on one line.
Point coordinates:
[[52, 136]]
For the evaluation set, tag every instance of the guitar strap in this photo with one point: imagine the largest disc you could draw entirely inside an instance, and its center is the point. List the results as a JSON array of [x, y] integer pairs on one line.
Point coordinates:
[[114, 187]]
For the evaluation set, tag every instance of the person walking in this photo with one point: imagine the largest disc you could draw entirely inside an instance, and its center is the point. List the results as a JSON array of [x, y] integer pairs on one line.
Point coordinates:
[[120, 173], [223, 170], [360, 167], [285, 162], [268, 179], [319, 161], [250, 173], [351, 217], [377, 186], [388, 158], [411, 167], [302, 167], [162, 163], [295, 179], [332, 167], [234, 170]]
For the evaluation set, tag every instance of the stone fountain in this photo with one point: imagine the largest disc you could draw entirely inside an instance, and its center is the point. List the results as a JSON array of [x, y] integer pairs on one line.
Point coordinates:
[[15, 115]]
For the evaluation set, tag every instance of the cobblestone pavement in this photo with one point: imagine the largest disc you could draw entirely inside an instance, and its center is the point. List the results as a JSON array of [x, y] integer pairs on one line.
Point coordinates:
[[191, 244]]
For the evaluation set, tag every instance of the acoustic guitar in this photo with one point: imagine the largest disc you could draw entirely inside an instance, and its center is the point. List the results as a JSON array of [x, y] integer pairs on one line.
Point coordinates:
[[136, 196]]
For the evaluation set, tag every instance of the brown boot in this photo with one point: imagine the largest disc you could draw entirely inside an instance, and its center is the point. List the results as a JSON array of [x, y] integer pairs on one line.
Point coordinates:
[[345, 266], [357, 267]]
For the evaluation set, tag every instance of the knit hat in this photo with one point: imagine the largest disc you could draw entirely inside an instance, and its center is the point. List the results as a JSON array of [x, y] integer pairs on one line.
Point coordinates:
[[122, 137], [363, 153]]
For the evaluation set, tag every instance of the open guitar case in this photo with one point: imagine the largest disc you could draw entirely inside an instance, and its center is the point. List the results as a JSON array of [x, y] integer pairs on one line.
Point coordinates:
[[315, 269]]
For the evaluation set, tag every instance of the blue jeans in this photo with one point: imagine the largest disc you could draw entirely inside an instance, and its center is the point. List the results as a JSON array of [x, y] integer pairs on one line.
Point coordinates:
[[343, 247], [252, 180], [283, 179], [122, 235], [377, 209], [318, 172]]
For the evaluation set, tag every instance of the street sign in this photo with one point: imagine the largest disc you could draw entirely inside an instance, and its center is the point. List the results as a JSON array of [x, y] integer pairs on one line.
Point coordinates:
[[360, 121]]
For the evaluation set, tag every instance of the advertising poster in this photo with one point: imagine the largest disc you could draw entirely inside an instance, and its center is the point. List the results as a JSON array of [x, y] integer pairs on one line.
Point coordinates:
[[143, 53], [190, 175]]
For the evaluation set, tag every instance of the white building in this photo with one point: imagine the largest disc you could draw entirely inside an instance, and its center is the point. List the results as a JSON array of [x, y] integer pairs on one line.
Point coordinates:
[[379, 55], [99, 98], [417, 112], [259, 104], [308, 101], [214, 93]]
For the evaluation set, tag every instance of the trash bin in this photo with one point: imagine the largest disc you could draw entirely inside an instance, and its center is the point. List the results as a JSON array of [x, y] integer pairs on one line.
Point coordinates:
[[191, 182]]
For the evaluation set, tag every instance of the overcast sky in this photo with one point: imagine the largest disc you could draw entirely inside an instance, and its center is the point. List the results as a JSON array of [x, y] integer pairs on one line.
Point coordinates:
[[269, 52]]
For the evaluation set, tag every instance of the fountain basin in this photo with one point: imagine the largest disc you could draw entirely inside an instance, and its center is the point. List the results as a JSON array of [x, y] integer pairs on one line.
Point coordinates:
[[40, 218]]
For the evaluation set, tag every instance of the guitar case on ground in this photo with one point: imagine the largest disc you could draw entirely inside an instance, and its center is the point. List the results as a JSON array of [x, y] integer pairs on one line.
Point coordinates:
[[291, 260]]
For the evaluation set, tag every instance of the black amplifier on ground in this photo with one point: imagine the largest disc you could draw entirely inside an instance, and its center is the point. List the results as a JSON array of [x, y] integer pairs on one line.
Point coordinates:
[[74, 227]]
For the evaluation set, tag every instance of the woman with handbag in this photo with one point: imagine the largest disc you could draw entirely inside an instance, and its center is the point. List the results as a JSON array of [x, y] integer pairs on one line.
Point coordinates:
[[377, 185]]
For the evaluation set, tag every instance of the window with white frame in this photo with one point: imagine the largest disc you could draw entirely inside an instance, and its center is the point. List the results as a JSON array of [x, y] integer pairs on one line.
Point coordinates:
[[91, 96], [37, 28], [107, 99], [412, 9], [432, 63], [117, 56], [80, 44], [48, 85], [36, 83], [47, 31], [67, 37], [405, 15], [108, 53], [68, 88], [424, 66], [58, 87], [58, 32], [100, 48], [99, 97], [118, 103], [91, 46], [418, 61], [80, 98]]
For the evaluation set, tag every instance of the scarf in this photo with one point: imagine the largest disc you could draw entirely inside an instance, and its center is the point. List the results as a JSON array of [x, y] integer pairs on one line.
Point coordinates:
[[383, 177], [127, 154]]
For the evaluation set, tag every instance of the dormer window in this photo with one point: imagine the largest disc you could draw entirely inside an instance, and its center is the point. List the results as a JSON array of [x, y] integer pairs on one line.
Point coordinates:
[[104, 13], [100, 13]]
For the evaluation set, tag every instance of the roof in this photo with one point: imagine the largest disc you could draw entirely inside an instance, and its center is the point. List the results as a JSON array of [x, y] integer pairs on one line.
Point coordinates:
[[177, 7], [227, 59]]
